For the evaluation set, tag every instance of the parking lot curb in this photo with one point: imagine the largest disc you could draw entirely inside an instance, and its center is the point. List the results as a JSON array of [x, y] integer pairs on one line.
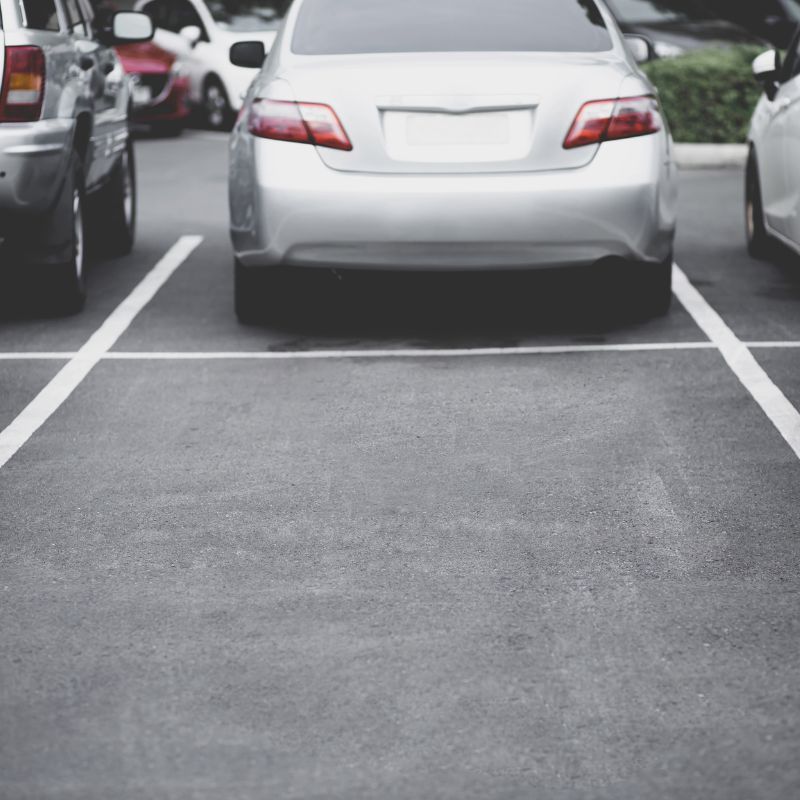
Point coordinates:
[[710, 156]]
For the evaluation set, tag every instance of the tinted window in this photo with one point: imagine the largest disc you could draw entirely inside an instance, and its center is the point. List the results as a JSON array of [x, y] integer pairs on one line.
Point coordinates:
[[642, 12], [41, 15], [425, 26], [248, 15]]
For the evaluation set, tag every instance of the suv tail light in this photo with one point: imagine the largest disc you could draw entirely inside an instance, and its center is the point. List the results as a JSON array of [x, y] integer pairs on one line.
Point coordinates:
[[23, 86], [308, 123], [606, 120]]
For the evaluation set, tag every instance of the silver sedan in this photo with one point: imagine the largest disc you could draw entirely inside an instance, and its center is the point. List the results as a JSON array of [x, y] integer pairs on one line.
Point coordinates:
[[449, 134]]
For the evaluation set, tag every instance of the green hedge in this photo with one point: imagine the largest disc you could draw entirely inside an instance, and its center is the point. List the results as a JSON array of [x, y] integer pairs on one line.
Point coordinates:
[[709, 95]]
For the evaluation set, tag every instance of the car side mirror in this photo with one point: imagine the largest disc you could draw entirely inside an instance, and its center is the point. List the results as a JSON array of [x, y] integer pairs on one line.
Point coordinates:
[[192, 34], [767, 69], [640, 48], [126, 27], [248, 54]]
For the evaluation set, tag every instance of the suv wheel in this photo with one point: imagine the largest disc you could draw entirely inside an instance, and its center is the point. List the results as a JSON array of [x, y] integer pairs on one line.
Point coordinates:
[[114, 208], [64, 286]]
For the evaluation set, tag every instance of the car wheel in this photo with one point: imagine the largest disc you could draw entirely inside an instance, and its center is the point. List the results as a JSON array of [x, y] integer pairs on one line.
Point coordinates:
[[260, 295], [64, 285], [113, 224], [759, 242], [656, 293], [216, 107]]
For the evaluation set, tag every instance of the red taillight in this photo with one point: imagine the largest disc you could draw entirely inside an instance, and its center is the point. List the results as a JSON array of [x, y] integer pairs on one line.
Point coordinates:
[[308, 123], [606, 120], [23, 85]]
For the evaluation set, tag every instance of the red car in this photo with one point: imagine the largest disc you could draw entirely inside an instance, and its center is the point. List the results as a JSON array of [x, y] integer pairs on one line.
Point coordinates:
[[160, 87]]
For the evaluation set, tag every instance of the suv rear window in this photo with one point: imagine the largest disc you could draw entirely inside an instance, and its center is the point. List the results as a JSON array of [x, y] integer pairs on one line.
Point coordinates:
[[335, 27], [41, 15]]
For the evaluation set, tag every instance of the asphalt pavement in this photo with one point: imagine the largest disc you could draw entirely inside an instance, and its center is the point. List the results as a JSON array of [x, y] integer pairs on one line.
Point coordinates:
[[346, 555]]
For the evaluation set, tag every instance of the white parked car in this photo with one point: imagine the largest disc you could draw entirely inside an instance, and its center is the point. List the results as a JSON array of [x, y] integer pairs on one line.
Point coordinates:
[[450, 135], [773, 168], [201, 32]]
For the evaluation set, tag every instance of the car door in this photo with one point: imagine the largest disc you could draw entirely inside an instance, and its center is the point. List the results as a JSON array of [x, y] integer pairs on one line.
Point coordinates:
[[112, 94], [88, 56], [770, 155], [789, 110]]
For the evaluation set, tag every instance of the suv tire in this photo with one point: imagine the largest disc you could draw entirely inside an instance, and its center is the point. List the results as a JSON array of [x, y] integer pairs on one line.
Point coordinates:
[[114, 208]]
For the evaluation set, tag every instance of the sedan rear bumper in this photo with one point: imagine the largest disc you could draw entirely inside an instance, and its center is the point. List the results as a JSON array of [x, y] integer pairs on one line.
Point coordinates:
[[288, 208]]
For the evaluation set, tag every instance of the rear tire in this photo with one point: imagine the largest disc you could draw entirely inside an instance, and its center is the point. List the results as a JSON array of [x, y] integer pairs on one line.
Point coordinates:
[[260, 295], [656, 291], [114, 208], [63, 286], [759, 243]]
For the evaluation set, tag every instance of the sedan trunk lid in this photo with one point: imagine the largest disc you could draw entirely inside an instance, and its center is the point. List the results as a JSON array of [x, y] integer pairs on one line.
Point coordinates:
[[471, 113]]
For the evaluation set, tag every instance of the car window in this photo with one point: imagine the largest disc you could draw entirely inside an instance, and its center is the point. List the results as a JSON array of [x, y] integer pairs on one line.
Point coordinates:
[[791, 67], [75, 19], [41, 15], [183, 13], [158, 12], [792, 8], [248, 15], [419, 26], [643, 12]]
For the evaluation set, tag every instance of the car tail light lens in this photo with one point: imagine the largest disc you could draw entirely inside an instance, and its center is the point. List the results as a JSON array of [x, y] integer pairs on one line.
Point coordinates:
[[607, 120], [23, 85], [307, 123]]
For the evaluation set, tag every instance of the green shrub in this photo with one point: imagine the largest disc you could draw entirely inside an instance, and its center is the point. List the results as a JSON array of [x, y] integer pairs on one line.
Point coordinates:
[[709, 95]]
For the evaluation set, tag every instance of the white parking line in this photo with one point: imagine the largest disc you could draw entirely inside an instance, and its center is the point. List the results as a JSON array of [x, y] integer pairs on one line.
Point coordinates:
[[456, 352], [293, 355], [39, 410], [781, 412]]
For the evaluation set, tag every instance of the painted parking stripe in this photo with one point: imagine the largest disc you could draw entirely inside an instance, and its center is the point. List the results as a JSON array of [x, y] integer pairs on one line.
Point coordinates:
[[41, 408], [280, 355], [312, 355], [776, 406]]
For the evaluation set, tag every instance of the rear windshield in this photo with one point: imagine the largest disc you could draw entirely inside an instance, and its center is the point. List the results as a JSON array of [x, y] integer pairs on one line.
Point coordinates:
[[334, 27]]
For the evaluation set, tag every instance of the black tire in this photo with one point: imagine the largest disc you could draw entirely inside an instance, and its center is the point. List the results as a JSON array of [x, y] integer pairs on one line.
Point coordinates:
[[113, 220], [759, 243], [217, 112], [656, 291], [261, 295], [61, 280]]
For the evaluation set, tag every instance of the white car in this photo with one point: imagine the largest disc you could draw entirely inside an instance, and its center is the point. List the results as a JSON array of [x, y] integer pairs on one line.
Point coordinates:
[[773, 168], [381, 135], [201, 33]]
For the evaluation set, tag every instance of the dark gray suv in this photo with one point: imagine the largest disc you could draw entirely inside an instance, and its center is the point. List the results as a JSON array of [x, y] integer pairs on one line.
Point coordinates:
[[67, 171]]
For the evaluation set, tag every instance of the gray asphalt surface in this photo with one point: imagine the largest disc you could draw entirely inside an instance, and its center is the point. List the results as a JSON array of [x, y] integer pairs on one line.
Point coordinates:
[[558, 576]]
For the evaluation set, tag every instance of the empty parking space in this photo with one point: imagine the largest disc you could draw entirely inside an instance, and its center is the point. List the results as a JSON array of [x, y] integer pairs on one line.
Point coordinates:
[[343, 560]]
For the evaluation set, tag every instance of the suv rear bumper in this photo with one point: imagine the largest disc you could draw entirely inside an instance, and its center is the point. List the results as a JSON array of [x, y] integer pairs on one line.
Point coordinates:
[[33, 160]]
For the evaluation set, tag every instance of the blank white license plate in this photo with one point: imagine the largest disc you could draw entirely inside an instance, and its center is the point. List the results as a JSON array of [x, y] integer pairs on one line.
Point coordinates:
[[142, 95], [475, 137], [490, 128]]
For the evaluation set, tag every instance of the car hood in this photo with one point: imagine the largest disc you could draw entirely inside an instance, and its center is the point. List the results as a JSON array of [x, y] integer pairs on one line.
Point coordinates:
[[144, 58], [695, 34]]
